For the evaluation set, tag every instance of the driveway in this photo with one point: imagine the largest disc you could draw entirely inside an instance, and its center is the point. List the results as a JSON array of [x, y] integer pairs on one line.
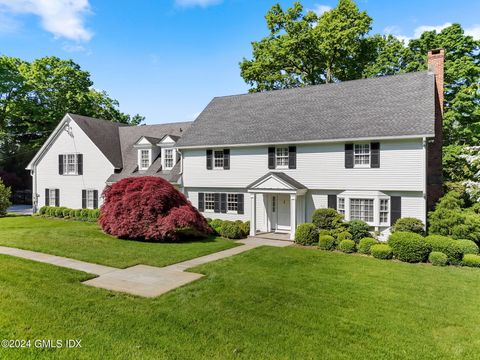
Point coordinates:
[[20, 209]]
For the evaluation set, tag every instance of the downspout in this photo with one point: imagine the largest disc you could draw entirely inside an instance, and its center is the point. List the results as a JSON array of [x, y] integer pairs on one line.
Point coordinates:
[[181, 170], [425, 177], [34, 192]]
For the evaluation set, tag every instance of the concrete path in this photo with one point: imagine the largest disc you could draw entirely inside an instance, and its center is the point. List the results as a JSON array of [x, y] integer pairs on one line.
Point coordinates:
[[20, 209], [142, 280]]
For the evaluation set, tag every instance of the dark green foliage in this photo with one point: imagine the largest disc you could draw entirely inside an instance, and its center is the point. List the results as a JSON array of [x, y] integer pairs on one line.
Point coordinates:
[[347, 246], [43, 210], [66, 212], [78, 214], [446, 245], [306, 234], [323, 232], [359, 229], [327, 242], [5, 193], [365, 244], [327, 219], [381, 251], [217, 224], [468, 247], [231, 230], [437, 258], [471, 260], [59, 211], [409, 247], [409, 224]]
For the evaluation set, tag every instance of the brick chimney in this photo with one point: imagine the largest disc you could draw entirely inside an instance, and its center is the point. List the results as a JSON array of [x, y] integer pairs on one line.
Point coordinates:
[[435, 62]]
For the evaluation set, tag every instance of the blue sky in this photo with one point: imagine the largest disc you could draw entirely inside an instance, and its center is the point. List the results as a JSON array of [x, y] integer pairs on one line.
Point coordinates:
[[166, 59]]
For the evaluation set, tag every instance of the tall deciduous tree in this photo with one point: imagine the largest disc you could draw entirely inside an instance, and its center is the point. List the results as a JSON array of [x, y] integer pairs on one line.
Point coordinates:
[[306, 49]]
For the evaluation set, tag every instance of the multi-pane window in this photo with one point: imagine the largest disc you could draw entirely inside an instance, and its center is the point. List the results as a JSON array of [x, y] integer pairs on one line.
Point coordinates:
[[361, 209], [144, 159], [209, 201], [384, 211], [90, 199], [52, 197], [218, 159], [232, 202], [281, 157], [168, 158], [361, 154], [70, 164], [341, 205]]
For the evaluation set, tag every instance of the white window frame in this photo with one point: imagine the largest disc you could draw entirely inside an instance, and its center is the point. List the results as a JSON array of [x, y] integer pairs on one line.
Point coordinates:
[[90, 198], [218, 159], [168, 158], [141, 159], [384, 210], [232, 203], [341, 205], [362, 155], [209, 202], [52, 197], [362, 209], [281, 157], [67, 163]]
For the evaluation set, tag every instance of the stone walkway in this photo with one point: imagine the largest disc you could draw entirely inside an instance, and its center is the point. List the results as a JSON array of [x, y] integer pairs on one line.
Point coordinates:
[[142, 280]]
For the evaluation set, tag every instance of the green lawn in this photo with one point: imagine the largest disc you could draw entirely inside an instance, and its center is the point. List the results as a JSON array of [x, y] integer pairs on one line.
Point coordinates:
[[85, 241], [267, 303]]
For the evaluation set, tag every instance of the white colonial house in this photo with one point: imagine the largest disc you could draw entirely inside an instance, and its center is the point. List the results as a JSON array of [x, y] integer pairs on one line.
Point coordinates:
[[369, 148]]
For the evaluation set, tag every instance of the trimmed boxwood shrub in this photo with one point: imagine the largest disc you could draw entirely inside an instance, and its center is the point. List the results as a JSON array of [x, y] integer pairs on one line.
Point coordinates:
[[359, 229], [409, 247], [409, 224], [347, 246], [323, 232], [467, 247], [437, 258], [59, 211], [306, 234], [43, 210], [446, 245], [381, 251], [471, 260], [365, 244], [66, 212], [327, 242], [344, 235], [327, 219], [231, 230], [78, 214], [216, 224]]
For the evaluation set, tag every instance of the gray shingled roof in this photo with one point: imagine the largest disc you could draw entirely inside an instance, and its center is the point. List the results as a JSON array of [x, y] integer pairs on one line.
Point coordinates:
[[399, 105], [104, 135]]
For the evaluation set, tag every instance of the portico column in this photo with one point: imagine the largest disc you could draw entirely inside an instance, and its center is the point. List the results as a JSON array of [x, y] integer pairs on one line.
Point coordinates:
[[293, 215], [253, 214]]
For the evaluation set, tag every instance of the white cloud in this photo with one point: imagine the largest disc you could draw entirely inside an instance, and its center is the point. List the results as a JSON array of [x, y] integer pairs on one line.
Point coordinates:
[[473, 31], [74, 48], [319, 9], [201, 3], [421, 29], [396, 31], [62, 18], [8, 24]]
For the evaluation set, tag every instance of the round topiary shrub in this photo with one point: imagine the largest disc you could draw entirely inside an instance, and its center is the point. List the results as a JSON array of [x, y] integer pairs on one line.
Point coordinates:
[[306, 234], [231, 230], [409, 224], [344, 235], [471, 260], [409, 247], [327, 219], [359, 229], [347, 246], [365, 244], [327, 242], [437, 258], [467, 247], [446, 245], [323, 232], [150, 208], [381, 251]]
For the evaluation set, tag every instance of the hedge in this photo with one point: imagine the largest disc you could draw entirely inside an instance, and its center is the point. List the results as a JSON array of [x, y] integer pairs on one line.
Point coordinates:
[[67, 213], [327, 242], [471, 260], [381, 251], [347, 246], [437, 258], [446, 245], [468, 247], [365, 244], [409, 224], [409, 247], [306, 234], [230, 229]]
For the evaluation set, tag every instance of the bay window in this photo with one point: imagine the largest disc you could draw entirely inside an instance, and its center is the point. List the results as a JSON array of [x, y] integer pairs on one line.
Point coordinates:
[[361, 209]]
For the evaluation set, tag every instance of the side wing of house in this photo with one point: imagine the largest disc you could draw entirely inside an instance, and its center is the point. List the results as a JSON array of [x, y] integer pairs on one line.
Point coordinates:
[[70, 171]]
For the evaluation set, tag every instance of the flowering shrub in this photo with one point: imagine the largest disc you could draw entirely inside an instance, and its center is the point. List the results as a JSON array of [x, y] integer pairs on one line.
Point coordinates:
[[149, 208]]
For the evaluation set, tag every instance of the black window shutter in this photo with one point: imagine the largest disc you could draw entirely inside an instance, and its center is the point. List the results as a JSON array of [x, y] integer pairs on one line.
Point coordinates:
[[60, 164], [47, 197], [332, 201], [217, 203], [240, 206], [395, 209], [292, 157], [375, 155], [226, 159], [223, 202], [271, 158], [80, 164], [348, 156], [84, 199], [57, 197], [201, 202], [209, 159], [95, 199]]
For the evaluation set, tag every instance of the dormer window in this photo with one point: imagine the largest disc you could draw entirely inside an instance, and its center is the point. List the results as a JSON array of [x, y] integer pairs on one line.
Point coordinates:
[[168, 159], [145, 159]]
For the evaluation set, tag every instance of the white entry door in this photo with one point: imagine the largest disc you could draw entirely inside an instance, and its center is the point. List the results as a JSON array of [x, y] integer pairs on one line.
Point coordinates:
[[283, 212]]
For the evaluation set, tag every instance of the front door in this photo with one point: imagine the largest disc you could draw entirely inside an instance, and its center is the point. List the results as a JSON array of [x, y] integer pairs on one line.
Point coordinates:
[[283, 212], [273, 212]]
